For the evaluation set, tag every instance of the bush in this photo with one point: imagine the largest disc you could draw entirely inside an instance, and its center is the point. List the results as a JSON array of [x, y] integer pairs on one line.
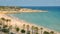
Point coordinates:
[[45, 32], [0, 27], [11, 33], [22, 31], [17, 29], [28, 32], [5, 30], [36, 33]]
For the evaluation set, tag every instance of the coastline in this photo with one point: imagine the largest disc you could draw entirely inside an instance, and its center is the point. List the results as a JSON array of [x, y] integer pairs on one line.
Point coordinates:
[[21, 22], [39, 26], [20, 10]]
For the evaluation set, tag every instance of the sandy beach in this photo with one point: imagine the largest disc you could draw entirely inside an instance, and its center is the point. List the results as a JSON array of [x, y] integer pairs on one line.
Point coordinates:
[[17, 22]]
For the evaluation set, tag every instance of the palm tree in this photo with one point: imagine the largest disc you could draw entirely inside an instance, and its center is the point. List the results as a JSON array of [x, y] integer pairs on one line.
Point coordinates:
[[36, 30], [17, 29], [7, 24], [2, 21], [27, 27], [2, 18], [8, 20], [41, 30], [23, 30], [23, 26], [52, 32], [28, 31], [32, 29]]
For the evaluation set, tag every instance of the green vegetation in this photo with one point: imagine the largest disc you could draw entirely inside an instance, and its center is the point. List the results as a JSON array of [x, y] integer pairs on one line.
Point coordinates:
[[52, 32], [45, 32], [36, 33], [36, 30], [4, 26], [8, 20], [5, 8], [5, 30], [28, 32], [11, 33], [17, 29], [22, 31], [41, 30], [23, 26], [32, 28], [27, 27], [2, 19]]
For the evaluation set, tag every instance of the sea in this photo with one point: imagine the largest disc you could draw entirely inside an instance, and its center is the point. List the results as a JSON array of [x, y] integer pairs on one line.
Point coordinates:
[[50, 19]]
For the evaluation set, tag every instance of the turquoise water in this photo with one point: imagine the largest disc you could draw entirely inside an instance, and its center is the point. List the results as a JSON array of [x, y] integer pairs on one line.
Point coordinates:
[[50, 19]]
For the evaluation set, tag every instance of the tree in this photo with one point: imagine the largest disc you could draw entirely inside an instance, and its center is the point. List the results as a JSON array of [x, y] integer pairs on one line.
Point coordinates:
[[2, 21], [45, 32], [22, 31], [8, 20], [23, 26], [28, 31], [41, 30], [11, 33], [17, 29], [32, 29], [36, 30], [52, 32], [5, 30], [5, 26], [27, 27]]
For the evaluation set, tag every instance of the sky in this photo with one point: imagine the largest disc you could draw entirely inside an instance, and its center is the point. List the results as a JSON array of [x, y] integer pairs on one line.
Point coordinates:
[[29, 2]]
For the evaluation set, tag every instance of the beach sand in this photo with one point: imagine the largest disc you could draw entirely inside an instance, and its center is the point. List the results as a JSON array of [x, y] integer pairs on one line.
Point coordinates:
[[17, 22]]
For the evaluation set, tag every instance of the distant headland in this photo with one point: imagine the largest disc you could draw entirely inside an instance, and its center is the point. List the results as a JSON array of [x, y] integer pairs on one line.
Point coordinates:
[[16, 9]]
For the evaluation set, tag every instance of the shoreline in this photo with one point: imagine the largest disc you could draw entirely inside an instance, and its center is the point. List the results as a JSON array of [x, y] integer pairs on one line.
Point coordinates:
[[32, 23], [21, 22], [20, 11]]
